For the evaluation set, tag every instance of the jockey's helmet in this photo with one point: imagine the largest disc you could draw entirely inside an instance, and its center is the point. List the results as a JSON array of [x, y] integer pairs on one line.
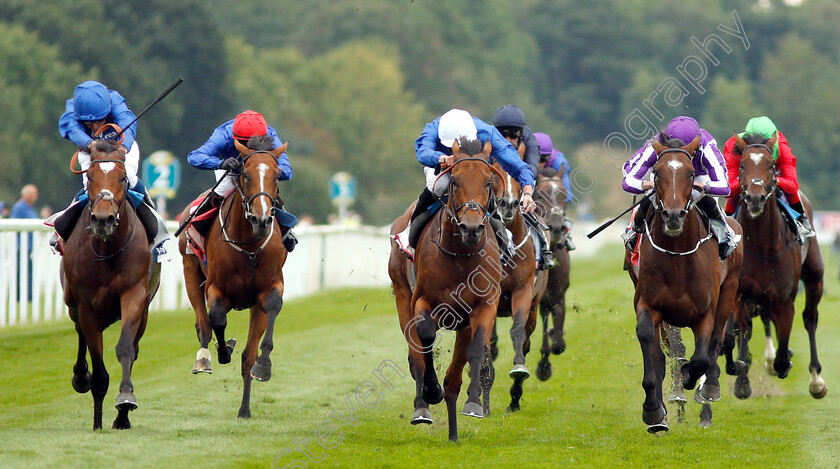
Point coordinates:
[[249, 124], [684, 128], [455, 124], [91, 101], [761, 125]]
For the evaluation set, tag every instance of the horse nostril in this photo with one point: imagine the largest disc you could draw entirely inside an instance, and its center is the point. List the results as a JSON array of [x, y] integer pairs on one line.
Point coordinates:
[[763, 198], [683, 213], [111, 220]]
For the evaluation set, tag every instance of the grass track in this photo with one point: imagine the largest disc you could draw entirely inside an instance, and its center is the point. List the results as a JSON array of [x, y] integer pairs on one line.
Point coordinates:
[[587, 415]]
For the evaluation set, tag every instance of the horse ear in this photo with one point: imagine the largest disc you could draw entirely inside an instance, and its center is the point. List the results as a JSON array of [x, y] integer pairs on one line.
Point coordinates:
[[455, 147], [280, 150], [657, 147], [560, 172], [693, 146], [740, 144], [240, 147], [520, 149], [488, 148], [773, 139]]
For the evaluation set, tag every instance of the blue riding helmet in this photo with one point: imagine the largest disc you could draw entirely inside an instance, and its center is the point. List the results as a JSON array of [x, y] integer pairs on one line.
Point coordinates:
[[91, 101], [509, 115]]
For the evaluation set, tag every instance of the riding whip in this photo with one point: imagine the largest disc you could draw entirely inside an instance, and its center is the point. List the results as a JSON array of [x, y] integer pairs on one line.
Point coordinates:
[[610, 222], [157, 100], [197, 209]]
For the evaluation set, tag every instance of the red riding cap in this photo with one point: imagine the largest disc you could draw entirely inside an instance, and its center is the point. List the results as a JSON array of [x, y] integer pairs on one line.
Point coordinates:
[[249, 124]]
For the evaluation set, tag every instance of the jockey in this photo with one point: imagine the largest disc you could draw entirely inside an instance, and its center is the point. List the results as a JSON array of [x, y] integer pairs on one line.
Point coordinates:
[[220, 154], [785, 171], [91, 108], [550, 157], [510, 121], [710, 180], [434, 149]]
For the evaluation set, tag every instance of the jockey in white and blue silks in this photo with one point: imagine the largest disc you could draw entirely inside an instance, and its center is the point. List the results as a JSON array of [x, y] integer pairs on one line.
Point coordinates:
[[92, 107], [434, 147], [219, 153], [709, 173]]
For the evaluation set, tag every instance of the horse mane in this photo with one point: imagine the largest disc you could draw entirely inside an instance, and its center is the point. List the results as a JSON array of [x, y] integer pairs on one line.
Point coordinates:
[[548, 172], [470, 146], [107, 146], [752, 139], [261, 143]]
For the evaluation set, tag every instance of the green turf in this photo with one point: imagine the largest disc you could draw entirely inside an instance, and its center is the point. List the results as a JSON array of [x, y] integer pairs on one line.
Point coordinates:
[[327, 347]]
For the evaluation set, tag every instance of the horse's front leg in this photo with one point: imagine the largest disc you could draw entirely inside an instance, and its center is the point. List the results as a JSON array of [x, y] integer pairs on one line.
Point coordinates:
[[219, 307], [193, 280], [272, 304], [133, 308], [256, 328], [812, 277], [676, 352], [544, 366], [454, 378], [99, 376], [744, 323], [558, 315], [653, 409], [81, 374], [784, 323], [698, 365], [482, 318]]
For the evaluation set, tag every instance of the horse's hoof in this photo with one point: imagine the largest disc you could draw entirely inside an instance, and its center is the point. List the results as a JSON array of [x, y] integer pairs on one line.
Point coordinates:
[[121, 424], [742, 388], [544, 370], [260, 372], [473, 409], [768, 367], [737, 367], [494, 352], [126, 401], [662, 426], [202, 365], [677, 395], [244, 413], [229, 345], [817, 386], [513, 408], [655, 417], [81, 385], [781, 370], [435, 398], [558, 347], [520, 372], [704, 423], [707, 393], [422, 415]]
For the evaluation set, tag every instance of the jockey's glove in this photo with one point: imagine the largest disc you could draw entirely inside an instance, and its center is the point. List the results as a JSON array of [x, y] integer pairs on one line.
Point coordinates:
[[231, 164]]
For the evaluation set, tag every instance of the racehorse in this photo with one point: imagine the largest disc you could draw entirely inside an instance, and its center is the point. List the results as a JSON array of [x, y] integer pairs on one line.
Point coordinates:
[[773, 266], [245, 257], [680, 281], [108, 275], [452, 284], [550, 196], [521, 288]]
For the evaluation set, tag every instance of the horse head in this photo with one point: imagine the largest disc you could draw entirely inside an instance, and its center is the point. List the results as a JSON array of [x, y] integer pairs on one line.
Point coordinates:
[[107, 187], [550, 196], [673, 177], [470, 188], [257, 182], [757, 174], [507, 191]]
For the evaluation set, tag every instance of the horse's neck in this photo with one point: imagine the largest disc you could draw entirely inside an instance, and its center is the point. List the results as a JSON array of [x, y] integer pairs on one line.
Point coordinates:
[[517, 227], [232, 216], [769, 225]]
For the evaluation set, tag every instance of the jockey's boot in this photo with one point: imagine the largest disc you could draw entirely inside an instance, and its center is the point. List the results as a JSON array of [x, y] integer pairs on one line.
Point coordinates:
[[65, 220], [803, 224], [546, 255], [407, 239], [154, 224], [287, 221], [632, 233], [720, 229], [570, 245], [203, 226], [506, 248]]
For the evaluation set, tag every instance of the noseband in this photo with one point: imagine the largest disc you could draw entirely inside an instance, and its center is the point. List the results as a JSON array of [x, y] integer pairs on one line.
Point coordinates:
[[472, 204], [109, 196]]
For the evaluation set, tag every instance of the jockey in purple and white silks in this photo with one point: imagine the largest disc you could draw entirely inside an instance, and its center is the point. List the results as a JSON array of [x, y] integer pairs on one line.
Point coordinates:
[[710, 174]]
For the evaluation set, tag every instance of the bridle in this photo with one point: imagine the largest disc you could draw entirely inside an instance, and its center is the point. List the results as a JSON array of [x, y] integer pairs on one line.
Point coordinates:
[[554, 209], [109, 197], [757, 181], [247, 201], [690, 203]]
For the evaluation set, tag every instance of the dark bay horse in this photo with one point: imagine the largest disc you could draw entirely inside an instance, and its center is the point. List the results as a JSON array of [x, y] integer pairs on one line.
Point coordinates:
[[453, 284], [521, 288], [550, 196], [245, 257], [773, 265], [108, 275], [681, 282]]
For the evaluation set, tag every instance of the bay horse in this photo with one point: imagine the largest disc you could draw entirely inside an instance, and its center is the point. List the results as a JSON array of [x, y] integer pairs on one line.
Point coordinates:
[[108, 275], [680, 281], [521, 285], [550, 196], [773, 266], [452, 284], [244, 269]]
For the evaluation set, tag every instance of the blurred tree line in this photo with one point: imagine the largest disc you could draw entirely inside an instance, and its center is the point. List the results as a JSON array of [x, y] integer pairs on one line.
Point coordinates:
[[351, 83]]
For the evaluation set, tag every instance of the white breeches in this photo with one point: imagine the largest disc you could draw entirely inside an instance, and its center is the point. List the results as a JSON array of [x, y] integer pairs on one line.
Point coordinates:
[[132, 163], [442, 184]]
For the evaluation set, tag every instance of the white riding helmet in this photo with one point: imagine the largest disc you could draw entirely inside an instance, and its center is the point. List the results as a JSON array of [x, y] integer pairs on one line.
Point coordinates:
[[456, 123]]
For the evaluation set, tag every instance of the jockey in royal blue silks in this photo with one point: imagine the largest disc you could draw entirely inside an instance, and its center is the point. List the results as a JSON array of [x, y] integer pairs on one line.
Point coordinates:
[[89, 110], [551, 157], [509, 120], [710, 176], [220, 154], [434, 147]]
